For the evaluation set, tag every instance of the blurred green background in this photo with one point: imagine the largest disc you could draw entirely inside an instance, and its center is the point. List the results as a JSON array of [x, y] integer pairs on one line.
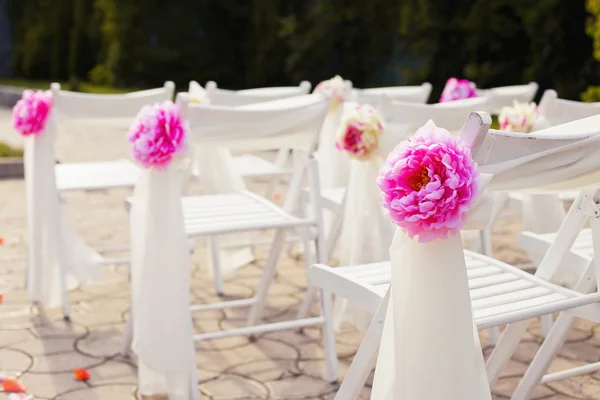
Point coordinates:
[[108, 45]]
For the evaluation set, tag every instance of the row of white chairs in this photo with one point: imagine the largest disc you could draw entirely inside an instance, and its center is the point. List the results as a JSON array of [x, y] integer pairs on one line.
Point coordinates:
[[75, 106]]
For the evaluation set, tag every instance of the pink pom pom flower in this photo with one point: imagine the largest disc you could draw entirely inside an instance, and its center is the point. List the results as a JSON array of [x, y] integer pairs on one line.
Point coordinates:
[[32, 111], [458, 89], [359, 132], [157, 135], [429, 183]]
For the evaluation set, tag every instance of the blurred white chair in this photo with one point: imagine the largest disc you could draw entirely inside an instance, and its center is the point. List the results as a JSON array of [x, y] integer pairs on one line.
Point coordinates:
[[408, 94], [250, 166], [505, 95], [558, 158], [58, 257], [557, 111], [115, 111], [296, 122], [401, 121]]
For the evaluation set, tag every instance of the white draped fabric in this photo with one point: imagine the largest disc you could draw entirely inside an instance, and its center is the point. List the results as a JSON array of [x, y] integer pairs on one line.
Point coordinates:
[[366, 234], [429, 291], [160, 280], [333, 164], [542, 213], [55, 248], [429, 287]]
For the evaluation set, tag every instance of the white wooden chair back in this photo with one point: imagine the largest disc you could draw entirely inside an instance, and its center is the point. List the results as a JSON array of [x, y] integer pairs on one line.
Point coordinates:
[[120, 108], [559, 111], [559, 158], [403, 119], [408, 94], [505, 95], [232, 98], [291, 122]]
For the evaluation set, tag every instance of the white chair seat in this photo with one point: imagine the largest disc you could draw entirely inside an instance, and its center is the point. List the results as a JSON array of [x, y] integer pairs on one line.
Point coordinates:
[[96, 175], [565, 196], [251, 166], [496, 288], [236, 212]]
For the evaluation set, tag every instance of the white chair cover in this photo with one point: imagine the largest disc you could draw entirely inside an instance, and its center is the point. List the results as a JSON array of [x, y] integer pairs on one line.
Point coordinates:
[[429, 283], [160, 270], [160, 260], [55, 248]]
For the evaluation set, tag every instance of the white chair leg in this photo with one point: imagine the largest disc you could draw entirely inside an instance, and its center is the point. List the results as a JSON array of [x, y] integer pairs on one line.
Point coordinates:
[[494, 335], [510, 338], [306, 302], [365, 358], [127, 336], [308, 252], [540, 363], [546, 324], [280, 159], [334, 233], [311, 290], [267, 278], [331, 360], [216, 262], [195, 392]]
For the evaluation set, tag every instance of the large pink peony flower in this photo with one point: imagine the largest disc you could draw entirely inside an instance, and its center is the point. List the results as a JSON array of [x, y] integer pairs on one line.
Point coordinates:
[[458, 89], [157, 135], [32, 111], [429, 183]]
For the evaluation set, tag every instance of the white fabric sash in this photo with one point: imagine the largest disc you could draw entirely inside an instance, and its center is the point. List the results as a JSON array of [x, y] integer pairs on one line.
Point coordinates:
[[366, 233], [160, 281], [429, 292], [333, 164], [58, 258], [218, 175]]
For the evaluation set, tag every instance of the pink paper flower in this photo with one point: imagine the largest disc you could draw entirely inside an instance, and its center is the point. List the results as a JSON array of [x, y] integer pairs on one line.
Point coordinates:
[[429, 183], [158, 134], [457, 89], [32, 111], [359, 132]]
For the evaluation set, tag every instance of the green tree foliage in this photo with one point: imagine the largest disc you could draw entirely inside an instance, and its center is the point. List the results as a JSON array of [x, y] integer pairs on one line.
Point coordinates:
[[250, 43], [593, 30], [499, 42]]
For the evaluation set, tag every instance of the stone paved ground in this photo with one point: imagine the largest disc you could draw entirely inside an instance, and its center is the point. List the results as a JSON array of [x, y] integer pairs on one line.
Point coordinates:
[[40, 348]]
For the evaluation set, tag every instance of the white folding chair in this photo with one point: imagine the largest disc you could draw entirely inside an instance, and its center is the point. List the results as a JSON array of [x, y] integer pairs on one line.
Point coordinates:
[[558, 111], [76, 258], [115, 111], [505, 95], [500, 293], [402, 119], [251, 166], [408, 94], [296, 122]]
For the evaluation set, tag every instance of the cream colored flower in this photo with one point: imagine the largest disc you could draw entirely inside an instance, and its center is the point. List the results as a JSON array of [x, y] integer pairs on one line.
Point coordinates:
[[359, 132], [519, 118]]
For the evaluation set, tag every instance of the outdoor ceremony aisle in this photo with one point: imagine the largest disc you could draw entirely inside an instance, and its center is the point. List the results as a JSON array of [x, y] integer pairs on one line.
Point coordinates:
[[42, 350]]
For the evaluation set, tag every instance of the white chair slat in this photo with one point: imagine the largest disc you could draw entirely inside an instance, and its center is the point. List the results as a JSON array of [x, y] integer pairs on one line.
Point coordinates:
[[518, 305], [491, 280], [489, 291], [510, 297]]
